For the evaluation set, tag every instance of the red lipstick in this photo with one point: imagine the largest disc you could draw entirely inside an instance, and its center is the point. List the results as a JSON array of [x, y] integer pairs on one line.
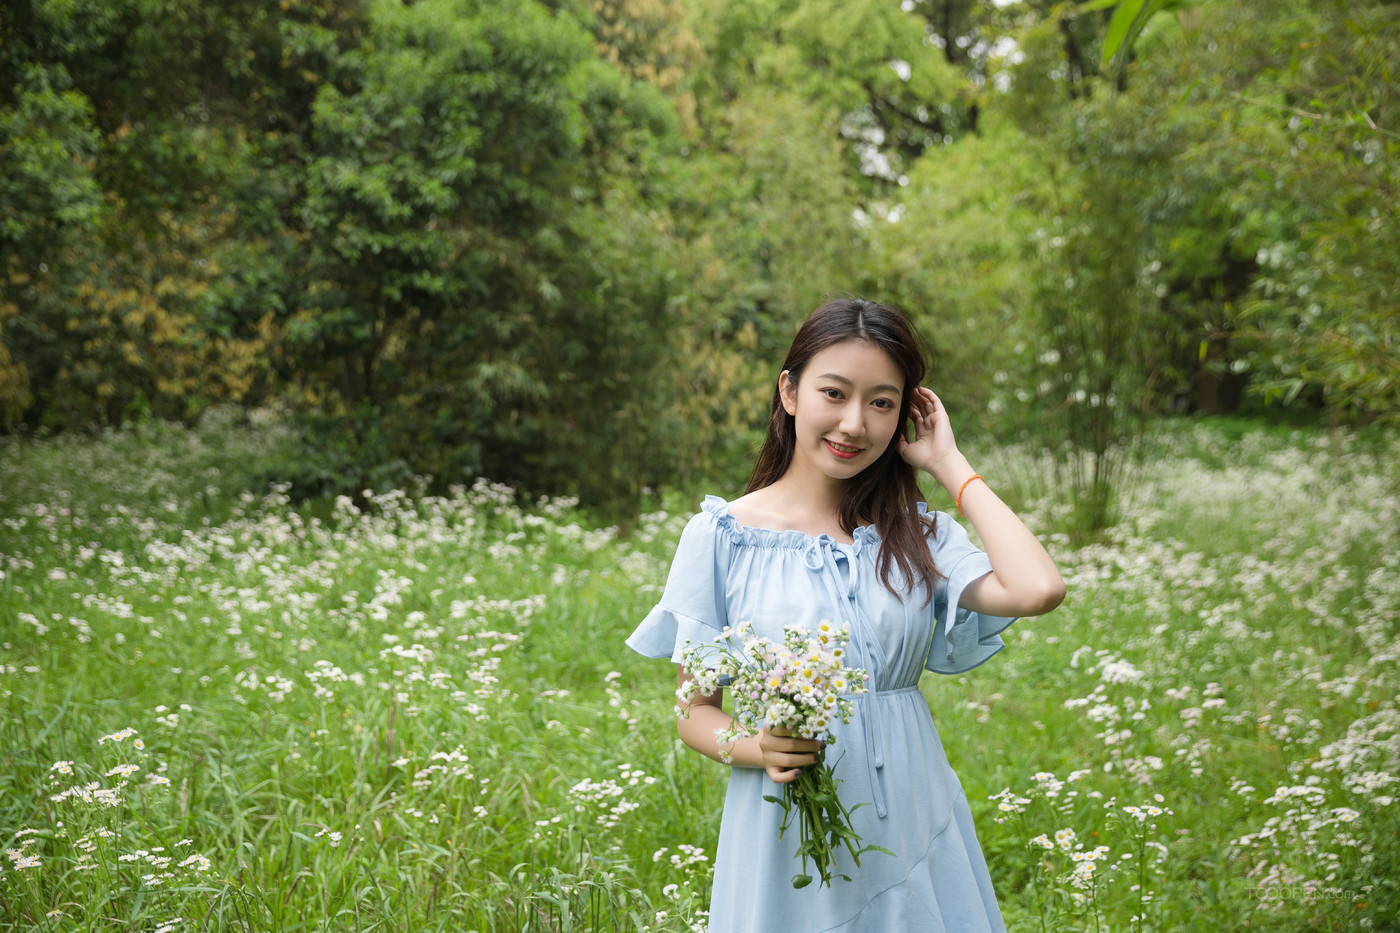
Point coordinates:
[[843, 454]]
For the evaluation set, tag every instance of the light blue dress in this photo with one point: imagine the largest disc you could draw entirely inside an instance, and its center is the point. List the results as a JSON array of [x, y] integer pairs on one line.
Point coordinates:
[[889, 756]]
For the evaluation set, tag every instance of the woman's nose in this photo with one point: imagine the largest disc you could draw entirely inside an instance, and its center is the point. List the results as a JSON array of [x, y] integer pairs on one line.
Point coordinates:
[[853, 420]]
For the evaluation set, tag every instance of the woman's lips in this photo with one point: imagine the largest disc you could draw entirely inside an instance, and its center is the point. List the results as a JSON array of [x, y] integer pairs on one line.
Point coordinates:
[[844, 451]]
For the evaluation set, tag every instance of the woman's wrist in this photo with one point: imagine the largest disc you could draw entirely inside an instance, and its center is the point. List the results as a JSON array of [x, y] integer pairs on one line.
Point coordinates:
[[951, 471], [747, 756]]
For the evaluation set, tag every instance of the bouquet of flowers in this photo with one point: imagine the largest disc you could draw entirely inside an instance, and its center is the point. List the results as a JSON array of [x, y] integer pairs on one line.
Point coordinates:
[[800, 685]]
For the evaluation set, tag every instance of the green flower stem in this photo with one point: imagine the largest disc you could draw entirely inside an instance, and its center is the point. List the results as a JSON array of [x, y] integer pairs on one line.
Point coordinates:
[[823, 821]]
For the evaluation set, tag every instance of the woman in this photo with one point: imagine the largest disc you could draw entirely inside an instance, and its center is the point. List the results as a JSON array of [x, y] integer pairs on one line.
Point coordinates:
[[832, 527]]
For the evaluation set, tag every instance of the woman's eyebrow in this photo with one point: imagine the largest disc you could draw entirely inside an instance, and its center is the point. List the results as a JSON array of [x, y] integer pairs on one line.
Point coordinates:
[[837, 378]]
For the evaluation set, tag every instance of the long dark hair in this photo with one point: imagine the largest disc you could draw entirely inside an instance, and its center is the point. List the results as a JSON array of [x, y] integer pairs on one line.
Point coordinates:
[[885, 493]]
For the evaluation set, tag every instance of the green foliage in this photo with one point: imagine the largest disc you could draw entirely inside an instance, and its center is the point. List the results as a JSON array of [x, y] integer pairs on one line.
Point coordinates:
[[1108, 337], [47, 194], [1130, 18], [469, 239], [1325, 312], [954, 253], [1146, 250], [124, 306], [47, 140], [517, 238], [1303, 299]]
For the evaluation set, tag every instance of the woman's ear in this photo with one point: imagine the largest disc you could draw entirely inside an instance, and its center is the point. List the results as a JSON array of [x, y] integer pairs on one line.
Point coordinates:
[[787, 391]]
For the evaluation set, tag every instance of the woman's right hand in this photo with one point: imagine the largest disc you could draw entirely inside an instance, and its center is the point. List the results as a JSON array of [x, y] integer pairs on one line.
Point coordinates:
[[785, 755]]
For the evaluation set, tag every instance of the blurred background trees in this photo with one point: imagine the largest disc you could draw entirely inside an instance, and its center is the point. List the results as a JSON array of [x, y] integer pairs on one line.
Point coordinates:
[[563, 243]]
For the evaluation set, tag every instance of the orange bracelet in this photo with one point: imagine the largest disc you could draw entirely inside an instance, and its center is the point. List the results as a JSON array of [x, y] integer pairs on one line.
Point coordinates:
[[958, 501]]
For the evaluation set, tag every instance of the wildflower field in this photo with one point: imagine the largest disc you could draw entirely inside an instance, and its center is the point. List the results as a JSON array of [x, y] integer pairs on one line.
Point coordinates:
[[223, 710]]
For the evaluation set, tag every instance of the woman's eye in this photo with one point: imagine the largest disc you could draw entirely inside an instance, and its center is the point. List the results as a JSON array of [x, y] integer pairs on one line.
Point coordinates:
[[832, 393], [884, 403]]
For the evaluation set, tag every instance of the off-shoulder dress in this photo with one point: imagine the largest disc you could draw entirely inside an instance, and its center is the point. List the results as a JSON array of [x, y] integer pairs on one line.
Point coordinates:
[[889, 756]]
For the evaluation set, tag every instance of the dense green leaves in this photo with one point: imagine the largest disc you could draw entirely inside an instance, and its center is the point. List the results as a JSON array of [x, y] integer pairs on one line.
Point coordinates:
[[47, 193], [564, 243]]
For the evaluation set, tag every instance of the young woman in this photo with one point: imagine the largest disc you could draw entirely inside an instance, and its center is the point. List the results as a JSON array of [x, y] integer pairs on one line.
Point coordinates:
[[832, 527]]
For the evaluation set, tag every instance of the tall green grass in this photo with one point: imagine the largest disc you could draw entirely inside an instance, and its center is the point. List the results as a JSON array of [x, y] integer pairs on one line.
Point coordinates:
[[420, 715]]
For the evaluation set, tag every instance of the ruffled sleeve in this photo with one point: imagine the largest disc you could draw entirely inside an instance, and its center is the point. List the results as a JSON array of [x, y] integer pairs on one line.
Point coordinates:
[[962, 639], [692, 607]]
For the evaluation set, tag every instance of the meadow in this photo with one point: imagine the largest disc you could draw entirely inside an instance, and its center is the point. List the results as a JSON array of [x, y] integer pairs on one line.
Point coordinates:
[[223, 710]]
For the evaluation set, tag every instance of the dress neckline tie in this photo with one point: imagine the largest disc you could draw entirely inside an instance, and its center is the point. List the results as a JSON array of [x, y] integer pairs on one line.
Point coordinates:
[[820, 557]]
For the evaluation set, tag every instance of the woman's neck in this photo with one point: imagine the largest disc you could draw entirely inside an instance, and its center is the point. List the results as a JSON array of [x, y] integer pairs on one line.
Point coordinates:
[[816, 499]]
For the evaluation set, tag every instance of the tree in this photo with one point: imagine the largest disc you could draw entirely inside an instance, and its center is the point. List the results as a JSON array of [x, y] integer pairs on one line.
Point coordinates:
[[47, 193], [469, 307], [1323, 316]]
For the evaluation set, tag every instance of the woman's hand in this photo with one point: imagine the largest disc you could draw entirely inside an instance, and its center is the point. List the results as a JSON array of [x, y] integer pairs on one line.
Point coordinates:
[[1024, 580], [785, 755], [933, 433]]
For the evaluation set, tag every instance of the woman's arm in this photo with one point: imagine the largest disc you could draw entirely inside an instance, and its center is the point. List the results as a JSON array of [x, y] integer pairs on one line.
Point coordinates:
[[1024, 580], [780, 753]]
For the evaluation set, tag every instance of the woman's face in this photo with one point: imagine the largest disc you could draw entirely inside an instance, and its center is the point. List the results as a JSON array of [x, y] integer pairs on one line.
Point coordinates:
[[846, 407]]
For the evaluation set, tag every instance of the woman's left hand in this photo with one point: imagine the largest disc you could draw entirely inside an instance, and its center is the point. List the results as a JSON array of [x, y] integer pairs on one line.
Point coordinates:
[[933, 433]]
